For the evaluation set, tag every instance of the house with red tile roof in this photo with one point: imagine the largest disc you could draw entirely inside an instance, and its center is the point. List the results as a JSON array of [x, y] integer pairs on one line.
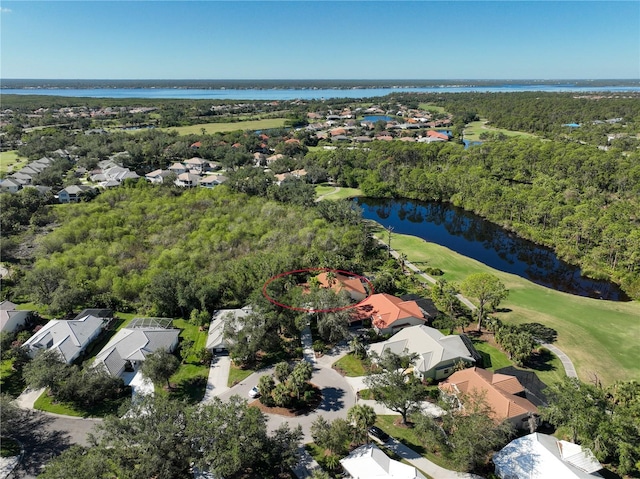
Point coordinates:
[[388, 314], [503, 393], [437, 135], [341, 282]]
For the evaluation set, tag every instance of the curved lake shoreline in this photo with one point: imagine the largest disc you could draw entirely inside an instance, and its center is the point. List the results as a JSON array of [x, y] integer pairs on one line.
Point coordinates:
[[477, 238]]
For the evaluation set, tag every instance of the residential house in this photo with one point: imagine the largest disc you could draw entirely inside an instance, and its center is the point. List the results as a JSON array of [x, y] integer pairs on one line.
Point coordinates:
[[341, 282], [12, 319], [158, 176], [215, 340], [438, 135], [68, 337], [438, 354], [388, 314], [10, 185], [540, 456], [210, 181], [22, 178], [504, 394], [73, 193], [130, 346], [187, 180], [370, 462], [178, 168], [195, 165]]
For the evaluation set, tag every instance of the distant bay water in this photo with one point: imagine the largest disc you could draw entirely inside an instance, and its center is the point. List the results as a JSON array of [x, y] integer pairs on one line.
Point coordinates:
[[308, 93]]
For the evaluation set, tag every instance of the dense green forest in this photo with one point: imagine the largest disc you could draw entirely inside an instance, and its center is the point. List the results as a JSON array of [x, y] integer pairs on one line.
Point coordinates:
[[577, 199], [168, 251]]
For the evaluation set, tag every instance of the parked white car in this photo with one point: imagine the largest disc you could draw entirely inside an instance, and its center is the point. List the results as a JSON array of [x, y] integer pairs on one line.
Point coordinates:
[[254, 392]]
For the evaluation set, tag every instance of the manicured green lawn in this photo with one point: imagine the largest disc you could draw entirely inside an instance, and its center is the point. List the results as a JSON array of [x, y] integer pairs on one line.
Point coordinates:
[[190, 380], [45, 403], [549, 370], [340, 194], [11, 381], [351, 366], [599, 336], [473, 130], [10, 161], [429, 107], [493, 358], [211, 128], [237, 375]]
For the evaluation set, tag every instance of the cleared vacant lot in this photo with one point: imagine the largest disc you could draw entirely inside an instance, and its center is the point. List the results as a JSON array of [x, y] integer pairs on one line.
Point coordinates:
[[600, 337], [473, 130], [230, 126], [10, 161]]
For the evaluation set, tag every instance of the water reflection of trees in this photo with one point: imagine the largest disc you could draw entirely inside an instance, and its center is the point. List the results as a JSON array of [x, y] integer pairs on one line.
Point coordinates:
[[517, 255]]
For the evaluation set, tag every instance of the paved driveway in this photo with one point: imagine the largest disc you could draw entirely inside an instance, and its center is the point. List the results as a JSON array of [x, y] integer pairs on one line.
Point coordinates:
[[44, 436]]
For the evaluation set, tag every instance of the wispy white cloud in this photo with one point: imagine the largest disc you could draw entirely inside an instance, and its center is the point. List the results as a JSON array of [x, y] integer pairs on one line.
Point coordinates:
[[5, 10]]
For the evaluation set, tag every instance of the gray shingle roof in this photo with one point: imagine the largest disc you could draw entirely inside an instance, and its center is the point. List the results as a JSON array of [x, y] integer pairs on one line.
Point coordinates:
[[68, 337], [135, 344]]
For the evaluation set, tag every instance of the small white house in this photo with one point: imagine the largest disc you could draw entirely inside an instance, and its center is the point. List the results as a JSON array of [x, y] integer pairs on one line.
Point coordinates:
[[369, 462], [68, 337], [12, 319], [540, 456], [215, 340]]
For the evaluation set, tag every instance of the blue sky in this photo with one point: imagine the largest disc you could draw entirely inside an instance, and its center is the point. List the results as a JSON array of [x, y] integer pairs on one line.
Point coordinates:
[[320, 39]]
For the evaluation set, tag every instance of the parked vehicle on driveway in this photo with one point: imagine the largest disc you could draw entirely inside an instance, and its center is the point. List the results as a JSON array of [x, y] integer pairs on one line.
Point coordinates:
[[378, 433]]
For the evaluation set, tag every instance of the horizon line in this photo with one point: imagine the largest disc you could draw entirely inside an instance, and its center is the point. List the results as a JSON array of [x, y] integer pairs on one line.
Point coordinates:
[[321, 79]]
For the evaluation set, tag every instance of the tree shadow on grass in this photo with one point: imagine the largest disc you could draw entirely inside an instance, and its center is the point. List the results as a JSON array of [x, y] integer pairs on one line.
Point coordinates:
[[191, 390]]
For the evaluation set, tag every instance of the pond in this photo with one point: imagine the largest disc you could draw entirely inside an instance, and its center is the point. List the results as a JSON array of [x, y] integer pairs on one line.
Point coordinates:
[[474, 237]]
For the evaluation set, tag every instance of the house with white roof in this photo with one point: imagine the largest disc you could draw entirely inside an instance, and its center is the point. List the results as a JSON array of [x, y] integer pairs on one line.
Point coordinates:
[[369, 462], [130, 346], [158, 176], [540, 456], [68, 337], [187, 180], [210, 181], [215, 340], [437, 354], [12, 319]]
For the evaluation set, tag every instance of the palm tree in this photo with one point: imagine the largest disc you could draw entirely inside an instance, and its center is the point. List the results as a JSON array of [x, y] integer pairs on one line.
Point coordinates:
[[358, 347], [361, 417]]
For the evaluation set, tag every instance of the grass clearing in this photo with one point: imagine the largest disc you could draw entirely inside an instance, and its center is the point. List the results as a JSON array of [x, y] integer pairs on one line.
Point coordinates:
[[211, 128], [473, 130], [10, 161], [597, 335], [430, 107], [11, 381], [191, 378], [339, 193], [237, 375], [46, 403], [350, 366]]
